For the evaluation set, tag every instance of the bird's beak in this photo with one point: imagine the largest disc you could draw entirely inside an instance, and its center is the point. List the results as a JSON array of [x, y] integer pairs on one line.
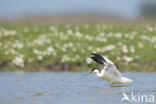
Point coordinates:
[[88, 73]]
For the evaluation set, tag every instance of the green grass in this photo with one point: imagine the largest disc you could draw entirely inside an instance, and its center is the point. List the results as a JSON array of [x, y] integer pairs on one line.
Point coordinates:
[[27, 47]]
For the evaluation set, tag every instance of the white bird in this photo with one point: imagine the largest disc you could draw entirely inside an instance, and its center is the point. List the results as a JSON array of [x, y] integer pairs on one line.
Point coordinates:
[[109, 72]]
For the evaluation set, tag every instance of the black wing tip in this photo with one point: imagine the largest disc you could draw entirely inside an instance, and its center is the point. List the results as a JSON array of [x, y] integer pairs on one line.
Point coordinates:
[[98, 56], [92, 55], [95, 54]]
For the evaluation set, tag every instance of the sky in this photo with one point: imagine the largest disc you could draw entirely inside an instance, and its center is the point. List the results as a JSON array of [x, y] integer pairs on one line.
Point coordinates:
[[15, 8]]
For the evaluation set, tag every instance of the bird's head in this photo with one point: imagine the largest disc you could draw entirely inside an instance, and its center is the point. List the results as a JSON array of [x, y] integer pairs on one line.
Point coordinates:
[[94, 70]]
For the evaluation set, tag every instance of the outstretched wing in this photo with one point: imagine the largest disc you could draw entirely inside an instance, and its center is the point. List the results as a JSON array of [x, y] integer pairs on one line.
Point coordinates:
[[110, 67], [98, 58], [112, 70]]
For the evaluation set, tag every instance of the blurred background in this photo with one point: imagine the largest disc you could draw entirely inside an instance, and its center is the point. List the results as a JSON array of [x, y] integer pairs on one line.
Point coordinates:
[[38, 36], [59, 35], [73, 11]]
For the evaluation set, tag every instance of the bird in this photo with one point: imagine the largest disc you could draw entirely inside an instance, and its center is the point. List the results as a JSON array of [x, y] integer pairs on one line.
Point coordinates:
[[109, 72]]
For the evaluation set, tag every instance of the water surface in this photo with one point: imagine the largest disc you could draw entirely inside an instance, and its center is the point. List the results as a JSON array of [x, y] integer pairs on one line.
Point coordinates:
[[69, 88]]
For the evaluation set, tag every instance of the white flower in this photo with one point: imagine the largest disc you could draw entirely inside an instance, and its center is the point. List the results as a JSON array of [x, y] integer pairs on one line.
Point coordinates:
[[70, 44], [153, 39], [108, 48], [18, 45], [110, 34], [140, 45], [74, 49], [12, 51], [64, 49], [136, 56], [76, 28], [127, 58], [132, 49], [41, 40], [26, 29], [37, 52], [9, 32], [102, 34], [57, 45], [144, 37], [104, 26], [65, 58], [88, 37], [124, 49], [78, 34], [100, 39], [90, 48], [77, 57], [118, 35], [19, 61], [50, 49], [119, 43], [69, 31], [126, 35], [133, 33], [88, 60], [30, 60], [63, 37], [48, 41], [150, 29], [40, 57], [53, 28], [98, 49]]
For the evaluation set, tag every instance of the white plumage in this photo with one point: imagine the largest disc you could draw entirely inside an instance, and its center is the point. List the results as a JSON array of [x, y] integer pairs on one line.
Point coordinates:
[[109, 72]]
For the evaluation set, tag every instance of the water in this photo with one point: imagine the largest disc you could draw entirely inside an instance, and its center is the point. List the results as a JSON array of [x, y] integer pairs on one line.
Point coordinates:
[[69, 88]]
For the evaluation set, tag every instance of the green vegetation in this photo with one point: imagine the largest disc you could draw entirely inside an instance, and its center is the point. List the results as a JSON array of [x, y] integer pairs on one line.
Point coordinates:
[[68, 47]]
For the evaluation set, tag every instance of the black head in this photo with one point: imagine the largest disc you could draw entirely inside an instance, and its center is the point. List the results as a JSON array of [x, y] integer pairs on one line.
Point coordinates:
[[96, 68]]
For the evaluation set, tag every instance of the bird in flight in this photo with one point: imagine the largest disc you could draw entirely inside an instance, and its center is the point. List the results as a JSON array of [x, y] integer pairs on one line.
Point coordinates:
[[109, 72]]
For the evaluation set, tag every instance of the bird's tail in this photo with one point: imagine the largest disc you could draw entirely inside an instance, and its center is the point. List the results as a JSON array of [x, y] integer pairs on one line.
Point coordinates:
[[126, 80]]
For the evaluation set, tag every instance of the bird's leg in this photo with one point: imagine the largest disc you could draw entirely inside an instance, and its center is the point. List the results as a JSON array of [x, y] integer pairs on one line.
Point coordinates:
[[112, 83]]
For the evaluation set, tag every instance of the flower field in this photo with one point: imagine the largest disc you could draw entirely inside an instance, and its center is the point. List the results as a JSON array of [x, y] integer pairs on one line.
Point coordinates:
[[68, 47]]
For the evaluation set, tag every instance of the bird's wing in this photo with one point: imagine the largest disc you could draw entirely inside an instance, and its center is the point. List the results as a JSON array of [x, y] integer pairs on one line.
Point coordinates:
[[107, 60], [112, 70], [110, 67], [98, 59]]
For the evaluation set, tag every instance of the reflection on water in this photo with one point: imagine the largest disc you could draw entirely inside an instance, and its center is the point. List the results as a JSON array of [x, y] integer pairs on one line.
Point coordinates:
[[67, 87]]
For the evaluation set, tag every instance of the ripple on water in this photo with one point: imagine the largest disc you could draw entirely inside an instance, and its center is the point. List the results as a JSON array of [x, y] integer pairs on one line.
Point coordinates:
[[67, 87]]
